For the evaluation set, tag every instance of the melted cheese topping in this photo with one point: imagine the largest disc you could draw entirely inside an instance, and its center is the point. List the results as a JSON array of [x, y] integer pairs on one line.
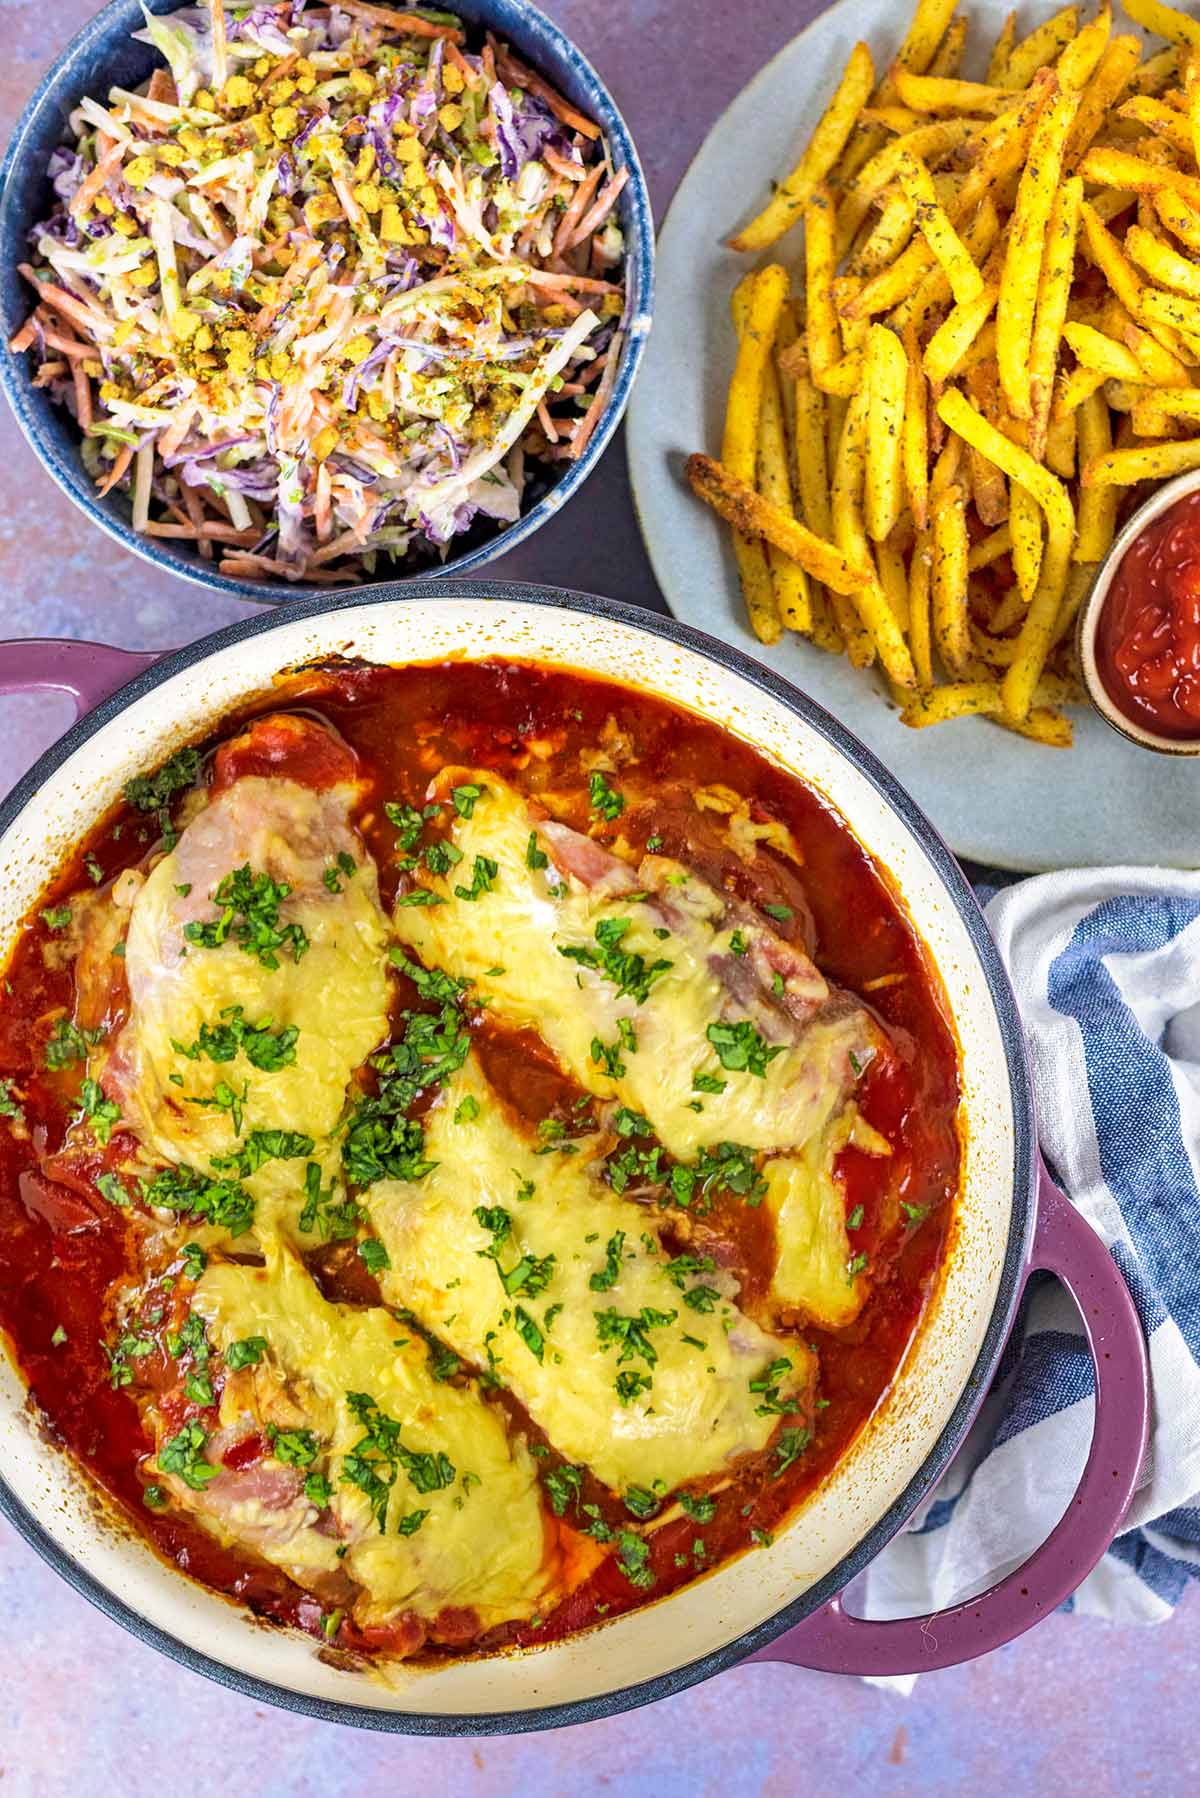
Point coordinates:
[[697, 1414], [336, 995], [509, 941], [484, 1544]]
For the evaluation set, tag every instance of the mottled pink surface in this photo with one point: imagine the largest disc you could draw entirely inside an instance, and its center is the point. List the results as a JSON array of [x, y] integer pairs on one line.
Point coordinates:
[[1077, 1708]]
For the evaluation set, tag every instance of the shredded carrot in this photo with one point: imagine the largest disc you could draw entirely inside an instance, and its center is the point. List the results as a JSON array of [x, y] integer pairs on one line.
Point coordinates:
[[117, 472], [66, 303], [95, 183], [516, 72], [410, 22], [83, 396], [579, 201], [591, 417], [592, 220]]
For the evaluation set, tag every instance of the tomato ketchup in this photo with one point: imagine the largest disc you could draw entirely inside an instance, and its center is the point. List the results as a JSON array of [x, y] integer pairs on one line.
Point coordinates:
[[1148, 634]]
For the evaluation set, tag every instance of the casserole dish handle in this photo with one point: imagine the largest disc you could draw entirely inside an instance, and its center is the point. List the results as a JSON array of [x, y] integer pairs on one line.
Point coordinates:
[[834, 1641], [89, 672]]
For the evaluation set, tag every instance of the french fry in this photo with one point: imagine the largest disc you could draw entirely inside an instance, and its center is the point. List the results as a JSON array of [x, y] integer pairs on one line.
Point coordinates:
[[764, 302], [1163, 120], [1175, 310], [949, 581], [1093, 350], [887, 383], [824, 147], [966, 282], [1044, 724], [1165, 21], [1080, 58], [938, 94], [1001, 51], [1054, 292], [1113, 75], [747, 511], [1043, 45], [1023, 258], [789, 580], [1025, 522], [957, 332], [812, 478], [1180, 218], [926, 143], [930, 23], [914, 449], [1155, 462], [893, 578], [892, 232], [962, 699], [920, 640], [1179, 402], [822, 330], [1037, 631], [877, 617], [1097, 505], [1136, 175], [990, 549], [948, 57], [1163, 264]]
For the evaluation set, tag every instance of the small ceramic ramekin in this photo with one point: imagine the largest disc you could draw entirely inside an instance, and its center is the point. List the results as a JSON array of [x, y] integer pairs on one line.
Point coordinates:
[[103, 53], [1089, 618]]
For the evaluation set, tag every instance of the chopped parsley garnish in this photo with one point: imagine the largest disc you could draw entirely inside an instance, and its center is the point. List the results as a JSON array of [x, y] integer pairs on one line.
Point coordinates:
[[738, 944], [467, 1110], [334, 1219], [9, 1107], [113, 1191], [101, 1113], [59, 1337], [790, 1446], [725, 1166], [69, 1044], [184, 1457], [345, 865], [247, 1352], [761, 1538], [225, 1203], [631, 1336], [295, 1448], [129, 1347], [768, 1384], [741, 1048], [444, 1364], [57, 917], [708, 1083], [262, 1146], [408, 823], [225, 1098], [629, 972], [654, 843], [250, 918], [781, 913], [605, 802], [563, 1487], [194, 1260], [382, 1142], [527, 1329], [440, 857], [154, 1497], [464, 798], [606, 1277], [263, 1046], [373, 1255], [483, 877], [640, 1502], [420, 896], [534, 857], [317, 1490], [608, 1057], [95, 872], [531, 1274], [914, 1214], [379, 1457], [154, 792], [633, 1558], [855, 1266], [432, 983], [854, 1221], [700, 1510]]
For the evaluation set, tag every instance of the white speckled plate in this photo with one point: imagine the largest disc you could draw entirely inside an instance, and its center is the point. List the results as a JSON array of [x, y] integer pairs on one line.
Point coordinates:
[[994, 796]]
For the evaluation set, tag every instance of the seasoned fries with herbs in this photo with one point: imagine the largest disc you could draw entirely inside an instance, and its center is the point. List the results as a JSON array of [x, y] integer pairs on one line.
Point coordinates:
[[981, 338]]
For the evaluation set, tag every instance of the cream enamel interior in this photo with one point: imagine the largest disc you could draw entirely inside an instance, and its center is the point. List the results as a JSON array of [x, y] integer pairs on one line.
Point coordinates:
[[713, 1612]]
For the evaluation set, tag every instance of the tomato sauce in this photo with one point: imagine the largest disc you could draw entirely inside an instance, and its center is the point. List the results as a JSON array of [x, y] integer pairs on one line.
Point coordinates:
[[1148, 635], [64, 1251]]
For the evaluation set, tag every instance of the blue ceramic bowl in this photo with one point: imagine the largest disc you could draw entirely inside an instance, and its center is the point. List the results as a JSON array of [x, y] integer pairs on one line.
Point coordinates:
[[104, 54]]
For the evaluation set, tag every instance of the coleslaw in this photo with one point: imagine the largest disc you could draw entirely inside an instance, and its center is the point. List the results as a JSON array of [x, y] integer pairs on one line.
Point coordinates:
[[332, 288]]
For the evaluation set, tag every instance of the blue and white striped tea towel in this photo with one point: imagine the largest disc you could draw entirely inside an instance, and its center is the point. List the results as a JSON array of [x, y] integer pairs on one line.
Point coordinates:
[[1106, 966]]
